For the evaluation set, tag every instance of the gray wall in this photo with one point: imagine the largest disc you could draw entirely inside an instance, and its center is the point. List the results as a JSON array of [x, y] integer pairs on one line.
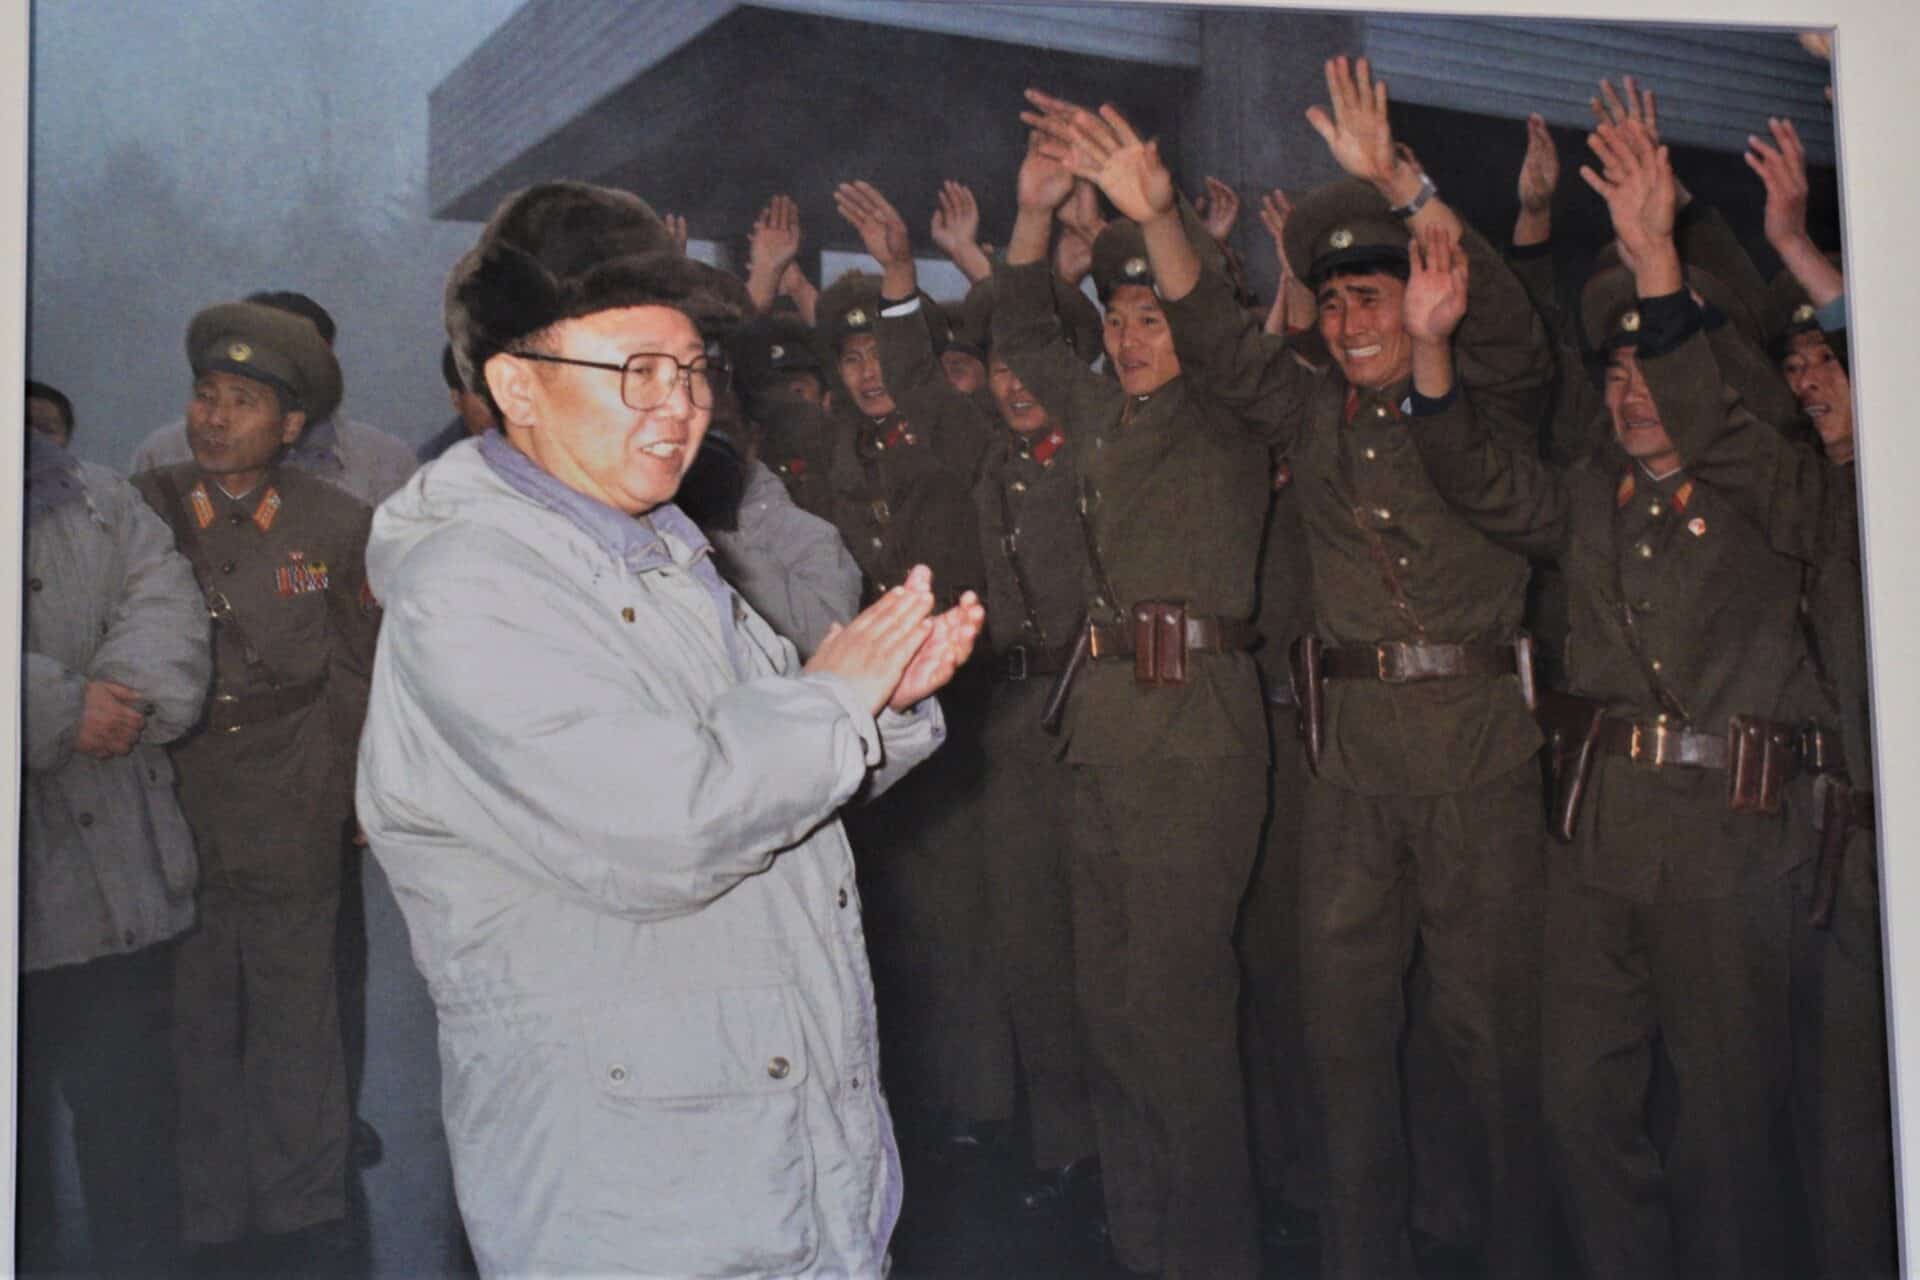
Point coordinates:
[[189, 151]]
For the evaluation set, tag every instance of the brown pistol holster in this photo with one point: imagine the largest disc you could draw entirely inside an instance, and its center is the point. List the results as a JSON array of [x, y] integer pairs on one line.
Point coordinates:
[[1761, 757], [1572, 728], [1160, 642], [1304, 662]]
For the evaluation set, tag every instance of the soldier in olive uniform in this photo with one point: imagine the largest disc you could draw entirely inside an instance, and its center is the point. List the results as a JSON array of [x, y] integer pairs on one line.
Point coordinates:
[[903, 456], [266, 783], [1166, 739], [783, 392], [1671, 916], [1423, 825]]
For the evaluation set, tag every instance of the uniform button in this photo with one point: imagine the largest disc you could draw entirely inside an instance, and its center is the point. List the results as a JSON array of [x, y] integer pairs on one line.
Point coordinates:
[[855, 1082], [626, 614], [1654, 508], [86, 819], [34, 584], [878, 543], [841, 898], [1661, 718], [1379, 411], [153, 775], [1383, 513], [1099, 602], [1655, 664], [1369, 455], [1404, 562], [228, 567], [1644, 551], [236, 518], [1643, 606], [617, 1074], [779, 1068], [127, 937], [1019, 486]]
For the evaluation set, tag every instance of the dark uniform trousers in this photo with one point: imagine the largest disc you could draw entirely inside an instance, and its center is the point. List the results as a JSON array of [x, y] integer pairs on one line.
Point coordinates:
[[1617, 970], [1153, 919], [1460, 874], [1843, 1122], [1027, 819], [263, 1086], [96, 1036]]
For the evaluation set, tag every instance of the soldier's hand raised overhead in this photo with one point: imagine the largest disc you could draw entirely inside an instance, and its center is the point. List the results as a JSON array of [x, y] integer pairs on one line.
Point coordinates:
[[1637, 184], [1357, 133], [1105, 150], [1436, 297], [1219, 208]]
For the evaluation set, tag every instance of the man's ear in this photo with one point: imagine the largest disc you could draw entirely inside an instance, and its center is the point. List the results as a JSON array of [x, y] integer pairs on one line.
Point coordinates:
[[291, 425], [512, 382]]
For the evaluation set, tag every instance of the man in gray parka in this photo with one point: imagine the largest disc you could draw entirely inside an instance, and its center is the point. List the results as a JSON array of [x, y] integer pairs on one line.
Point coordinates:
[[115, 664], [604, 791]]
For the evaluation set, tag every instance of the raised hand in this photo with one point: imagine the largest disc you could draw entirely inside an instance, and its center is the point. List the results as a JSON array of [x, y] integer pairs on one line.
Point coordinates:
[[1639, 188], [956, 218], [1072, 256], [1436, 295], [1357, 133], [872, 651], [772, 246], [110, 720], [1044, 183], [946, 647], [882, 230], [1540, 170], [1081, 212], [1633, 103], [1782, 166], [1104, 149], [677, 231], [1275, 209], [1219, 208], [795, 285]]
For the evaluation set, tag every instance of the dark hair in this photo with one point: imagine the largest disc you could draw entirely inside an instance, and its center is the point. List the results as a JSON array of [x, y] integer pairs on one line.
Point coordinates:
[[41, 391], [298, 304], [1388, 263], [450, 368]]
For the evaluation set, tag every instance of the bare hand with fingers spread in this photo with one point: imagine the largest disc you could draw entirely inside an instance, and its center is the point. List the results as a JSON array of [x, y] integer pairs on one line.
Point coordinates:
[[1638, 185], [1219, 208], [1104, 149]]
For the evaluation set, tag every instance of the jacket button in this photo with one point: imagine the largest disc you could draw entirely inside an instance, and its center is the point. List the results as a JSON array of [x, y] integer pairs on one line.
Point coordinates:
[[1654, 508], [779, 1068], [236, 518], [855, 1082], [127, 937], [153, 775], [1655, 664], [878, 543], [1384, 513], [228, 567], [34, 584], [1369, 455], [617, 1074], [1019, 486], [842, 898], [1644, 551], [1643, 606], [1379, 411], [86, 819], [626, 614]]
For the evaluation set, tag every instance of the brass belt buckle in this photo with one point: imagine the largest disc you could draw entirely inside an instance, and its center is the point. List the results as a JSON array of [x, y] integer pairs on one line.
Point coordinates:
[[1636, 749]]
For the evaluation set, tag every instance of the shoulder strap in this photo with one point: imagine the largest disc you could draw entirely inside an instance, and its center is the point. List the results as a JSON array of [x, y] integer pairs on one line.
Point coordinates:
[[186, 533]]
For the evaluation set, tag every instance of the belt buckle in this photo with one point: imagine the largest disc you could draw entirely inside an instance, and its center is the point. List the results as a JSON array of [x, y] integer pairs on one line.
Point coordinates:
[[1016, 659], [1636, 749], [1383, 665]]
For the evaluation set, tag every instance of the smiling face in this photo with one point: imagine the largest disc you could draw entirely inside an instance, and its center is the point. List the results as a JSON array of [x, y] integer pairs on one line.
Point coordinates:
[[860, 370], [1018, 408], [1819, 381], [1363, 326], [1139, 344], [1636, 419], [573, 423]]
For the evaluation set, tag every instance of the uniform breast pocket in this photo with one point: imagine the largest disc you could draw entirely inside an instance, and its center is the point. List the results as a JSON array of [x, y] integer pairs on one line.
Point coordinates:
[[696, 1155]]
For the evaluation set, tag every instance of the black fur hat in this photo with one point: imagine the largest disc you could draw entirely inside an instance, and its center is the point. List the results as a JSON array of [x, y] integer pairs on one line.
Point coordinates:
[[561, 250]]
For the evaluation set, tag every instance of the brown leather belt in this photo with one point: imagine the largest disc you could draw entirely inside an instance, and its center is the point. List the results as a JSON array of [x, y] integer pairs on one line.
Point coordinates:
[[1662, 744], [230, 713], [1018, 662], [1402, 662], [1204, 635]]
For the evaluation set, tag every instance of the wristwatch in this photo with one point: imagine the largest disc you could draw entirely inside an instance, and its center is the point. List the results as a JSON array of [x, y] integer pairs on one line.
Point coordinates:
[[1419, 201]]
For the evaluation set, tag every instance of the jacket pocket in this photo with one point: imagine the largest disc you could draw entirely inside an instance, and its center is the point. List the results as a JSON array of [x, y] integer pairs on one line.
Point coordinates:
[[697, 1158]]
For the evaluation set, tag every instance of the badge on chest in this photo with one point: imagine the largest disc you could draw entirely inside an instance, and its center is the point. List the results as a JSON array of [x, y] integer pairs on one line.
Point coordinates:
[[299, 575]]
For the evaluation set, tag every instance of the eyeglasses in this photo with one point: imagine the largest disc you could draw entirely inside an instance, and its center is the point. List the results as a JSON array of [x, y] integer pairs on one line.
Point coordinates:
[[647, 378]]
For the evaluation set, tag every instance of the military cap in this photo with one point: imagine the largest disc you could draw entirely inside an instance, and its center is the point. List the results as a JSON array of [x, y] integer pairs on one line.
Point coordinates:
[[269, 345], [848, 306], [1345, 225], [1789, 310], [560, 250], [972, 320], [1610, 304], [1120, 252], [1721, 296], [769, 345]]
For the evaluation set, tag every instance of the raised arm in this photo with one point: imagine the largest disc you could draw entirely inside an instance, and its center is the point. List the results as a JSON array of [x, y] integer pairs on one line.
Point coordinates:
[[772, 247], [956, 229], [1782, 167]]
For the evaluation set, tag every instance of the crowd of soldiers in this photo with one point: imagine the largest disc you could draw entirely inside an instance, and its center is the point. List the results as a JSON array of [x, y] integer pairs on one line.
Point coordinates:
[[1417, 789]]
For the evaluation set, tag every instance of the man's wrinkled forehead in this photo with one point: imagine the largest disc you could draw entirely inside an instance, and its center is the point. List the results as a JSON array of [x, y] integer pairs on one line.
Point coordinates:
[[1371, 285]]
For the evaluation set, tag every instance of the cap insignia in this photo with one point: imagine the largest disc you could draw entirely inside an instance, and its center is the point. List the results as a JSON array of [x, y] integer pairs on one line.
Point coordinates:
[[1341, 238], [1803, 313], [776, 351], [1630, 322], [857, 318], [1133, 268], [239, 352]]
